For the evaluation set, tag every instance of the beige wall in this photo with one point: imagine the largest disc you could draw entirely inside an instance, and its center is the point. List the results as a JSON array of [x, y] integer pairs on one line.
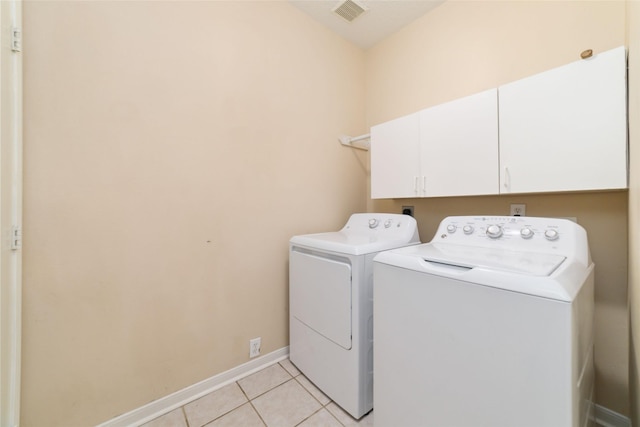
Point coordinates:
[[465, 47], [171, 149], [633, 38]]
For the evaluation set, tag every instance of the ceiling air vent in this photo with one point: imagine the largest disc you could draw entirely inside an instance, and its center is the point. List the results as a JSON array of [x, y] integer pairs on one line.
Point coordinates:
[[349, 10]]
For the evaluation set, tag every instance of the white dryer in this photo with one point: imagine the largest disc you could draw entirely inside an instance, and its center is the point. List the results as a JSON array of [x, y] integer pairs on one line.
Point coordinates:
[[331, 308], [490, 324]]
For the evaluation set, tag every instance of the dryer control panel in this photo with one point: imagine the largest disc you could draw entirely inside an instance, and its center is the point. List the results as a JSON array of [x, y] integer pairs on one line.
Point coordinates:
[[364, 233], [382, 226], [513, 232]]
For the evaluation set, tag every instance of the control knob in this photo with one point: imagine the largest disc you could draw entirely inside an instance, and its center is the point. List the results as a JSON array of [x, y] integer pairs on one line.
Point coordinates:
[[451, 228], [551, 234], [387, 223], [468, 229], [373, 223], [494, 231], [526, 233]]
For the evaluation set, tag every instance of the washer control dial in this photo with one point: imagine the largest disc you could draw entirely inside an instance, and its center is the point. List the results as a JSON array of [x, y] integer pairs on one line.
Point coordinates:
[[387, 223], [373, 223], [468, 229], [526, 233], [551, 234], [451, 228], [494, 231]]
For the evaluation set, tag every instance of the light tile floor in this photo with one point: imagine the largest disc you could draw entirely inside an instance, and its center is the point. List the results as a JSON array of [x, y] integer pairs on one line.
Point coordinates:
[[277, 396]]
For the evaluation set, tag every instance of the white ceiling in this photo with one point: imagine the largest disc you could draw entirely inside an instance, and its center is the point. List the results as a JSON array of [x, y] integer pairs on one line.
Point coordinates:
[[383, 17]]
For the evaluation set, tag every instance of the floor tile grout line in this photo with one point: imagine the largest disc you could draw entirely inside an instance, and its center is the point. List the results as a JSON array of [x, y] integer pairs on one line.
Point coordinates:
[[258, 412], [184, 415], [322, 406], [291, 363], [305, 389], [242, 390], [300, 374], [320, 409], [279, 385], [250, 401], [224, 414], [266, 391]]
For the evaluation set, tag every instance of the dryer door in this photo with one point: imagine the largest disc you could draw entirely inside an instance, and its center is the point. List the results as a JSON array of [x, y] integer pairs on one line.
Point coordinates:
[[320, 294]]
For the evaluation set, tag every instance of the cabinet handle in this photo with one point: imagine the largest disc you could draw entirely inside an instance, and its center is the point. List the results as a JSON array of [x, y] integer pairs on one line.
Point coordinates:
[[507, 178], [424, 185], [415, 185]]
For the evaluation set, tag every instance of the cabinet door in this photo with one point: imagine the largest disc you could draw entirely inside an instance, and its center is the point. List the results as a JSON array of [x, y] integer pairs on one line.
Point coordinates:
[[395, 160], [459, 146], [565, 129]]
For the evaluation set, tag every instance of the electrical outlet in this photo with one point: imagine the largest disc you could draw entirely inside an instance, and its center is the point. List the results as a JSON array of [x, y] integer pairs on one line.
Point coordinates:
[[254, 347], [518, 209], [407, 210]]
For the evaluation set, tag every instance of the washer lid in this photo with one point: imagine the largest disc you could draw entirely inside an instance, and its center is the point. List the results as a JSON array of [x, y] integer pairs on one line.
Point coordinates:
[[529, 263]]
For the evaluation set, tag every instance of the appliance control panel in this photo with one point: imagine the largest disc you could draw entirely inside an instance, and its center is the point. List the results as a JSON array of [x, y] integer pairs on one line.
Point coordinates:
[[513, 232], [381, 225]]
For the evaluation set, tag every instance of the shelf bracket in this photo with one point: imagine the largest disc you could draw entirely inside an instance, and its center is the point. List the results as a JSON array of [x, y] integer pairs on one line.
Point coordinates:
[[348, 141]]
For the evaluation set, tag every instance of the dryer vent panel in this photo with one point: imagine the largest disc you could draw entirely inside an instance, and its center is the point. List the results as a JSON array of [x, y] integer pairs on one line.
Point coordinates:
[[349, 10]]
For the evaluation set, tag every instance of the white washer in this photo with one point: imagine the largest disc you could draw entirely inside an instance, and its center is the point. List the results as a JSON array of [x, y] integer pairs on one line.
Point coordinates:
[[330, 304], [489, 324]]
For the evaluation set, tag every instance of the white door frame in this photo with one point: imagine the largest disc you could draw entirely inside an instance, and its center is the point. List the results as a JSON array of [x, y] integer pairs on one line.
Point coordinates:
[[10, 210]]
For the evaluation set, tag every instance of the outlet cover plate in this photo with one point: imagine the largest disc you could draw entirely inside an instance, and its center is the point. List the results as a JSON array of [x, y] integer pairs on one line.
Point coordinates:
[[518, 209], [407, 210], [254, 347]]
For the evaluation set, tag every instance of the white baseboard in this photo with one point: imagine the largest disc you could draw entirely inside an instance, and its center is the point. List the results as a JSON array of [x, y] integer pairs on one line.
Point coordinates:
[[608, 418], [175, 400]]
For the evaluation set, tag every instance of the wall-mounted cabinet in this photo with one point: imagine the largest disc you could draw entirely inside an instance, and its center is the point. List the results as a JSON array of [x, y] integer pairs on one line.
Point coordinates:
[[566, 129], [458, 142], [395, 159], [434, 152], [561, 130]]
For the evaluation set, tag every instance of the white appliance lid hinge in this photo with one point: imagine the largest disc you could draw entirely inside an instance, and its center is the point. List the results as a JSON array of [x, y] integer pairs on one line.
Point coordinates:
[[16, 237], [16, 39]]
